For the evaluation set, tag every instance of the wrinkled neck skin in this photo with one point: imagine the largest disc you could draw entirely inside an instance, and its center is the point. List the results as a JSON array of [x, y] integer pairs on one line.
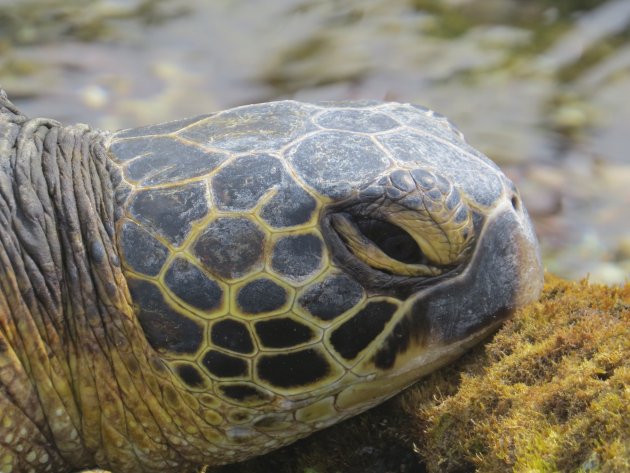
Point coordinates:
[[79, 386]]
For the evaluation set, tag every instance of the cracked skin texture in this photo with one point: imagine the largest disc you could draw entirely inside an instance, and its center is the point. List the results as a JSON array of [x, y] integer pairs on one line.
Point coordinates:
[[108, 358], [90, 377]]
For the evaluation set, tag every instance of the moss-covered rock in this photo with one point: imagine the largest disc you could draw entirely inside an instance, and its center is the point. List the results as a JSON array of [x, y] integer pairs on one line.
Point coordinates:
[[549, 392]]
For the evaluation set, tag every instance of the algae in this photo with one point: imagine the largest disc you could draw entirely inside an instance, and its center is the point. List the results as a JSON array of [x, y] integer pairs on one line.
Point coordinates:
[[549, 392]]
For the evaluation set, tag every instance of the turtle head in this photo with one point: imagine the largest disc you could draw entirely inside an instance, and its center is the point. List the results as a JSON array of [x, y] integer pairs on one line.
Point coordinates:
[[298, 263], [459, 257]]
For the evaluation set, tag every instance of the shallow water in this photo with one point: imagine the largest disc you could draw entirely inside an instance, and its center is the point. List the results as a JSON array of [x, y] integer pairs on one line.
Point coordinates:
[[542, 87]]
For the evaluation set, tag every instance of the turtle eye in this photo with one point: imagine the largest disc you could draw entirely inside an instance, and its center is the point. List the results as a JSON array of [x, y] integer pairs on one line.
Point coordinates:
[[383, 246], [392, 240]]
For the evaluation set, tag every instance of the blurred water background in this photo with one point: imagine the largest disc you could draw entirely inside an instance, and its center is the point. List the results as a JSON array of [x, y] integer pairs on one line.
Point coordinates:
[[542, 87]]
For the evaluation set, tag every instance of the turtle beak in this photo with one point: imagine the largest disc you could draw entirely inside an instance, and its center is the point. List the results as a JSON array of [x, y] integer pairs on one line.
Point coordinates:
[[530, 271], [504, 274]]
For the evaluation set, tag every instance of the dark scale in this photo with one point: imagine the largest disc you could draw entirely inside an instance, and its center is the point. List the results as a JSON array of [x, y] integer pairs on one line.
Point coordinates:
[[329, 162], [453, 199], [282, 332], [97, 251], [292, 370], [161, 128], [190, 375], [252, 128], [245, 393], [414, 324], [425, 122], [192, 286], [126, 150], [335, 104], [163, 159], [172, 211], [356, 120], [232, 335], [435, 195], [461, 215], [331, 297], [260, 296], [403, 181], [230, 247], [297, 256], [240, 184], [166, 330], [425, 179], [141, 252], [290, 206], [355, 334], [224, 366], [471, 174]]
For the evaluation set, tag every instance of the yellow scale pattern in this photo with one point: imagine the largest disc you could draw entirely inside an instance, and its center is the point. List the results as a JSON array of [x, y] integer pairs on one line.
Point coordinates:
[[229, 307], [222, 410], [280, 371]]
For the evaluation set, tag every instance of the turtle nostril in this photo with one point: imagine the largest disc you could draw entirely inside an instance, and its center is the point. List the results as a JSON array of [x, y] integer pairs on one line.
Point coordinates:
[[516, 203]]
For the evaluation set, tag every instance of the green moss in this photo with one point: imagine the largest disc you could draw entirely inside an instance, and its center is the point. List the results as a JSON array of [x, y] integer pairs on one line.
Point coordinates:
[[550, 392], [553, 394]]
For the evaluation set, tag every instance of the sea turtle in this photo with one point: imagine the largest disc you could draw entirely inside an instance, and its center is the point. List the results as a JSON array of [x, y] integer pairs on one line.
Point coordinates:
[[206, 290]]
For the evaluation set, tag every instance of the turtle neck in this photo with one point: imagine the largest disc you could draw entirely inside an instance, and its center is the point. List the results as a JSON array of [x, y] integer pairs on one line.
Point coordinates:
[[80, 374], [52, 245]]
